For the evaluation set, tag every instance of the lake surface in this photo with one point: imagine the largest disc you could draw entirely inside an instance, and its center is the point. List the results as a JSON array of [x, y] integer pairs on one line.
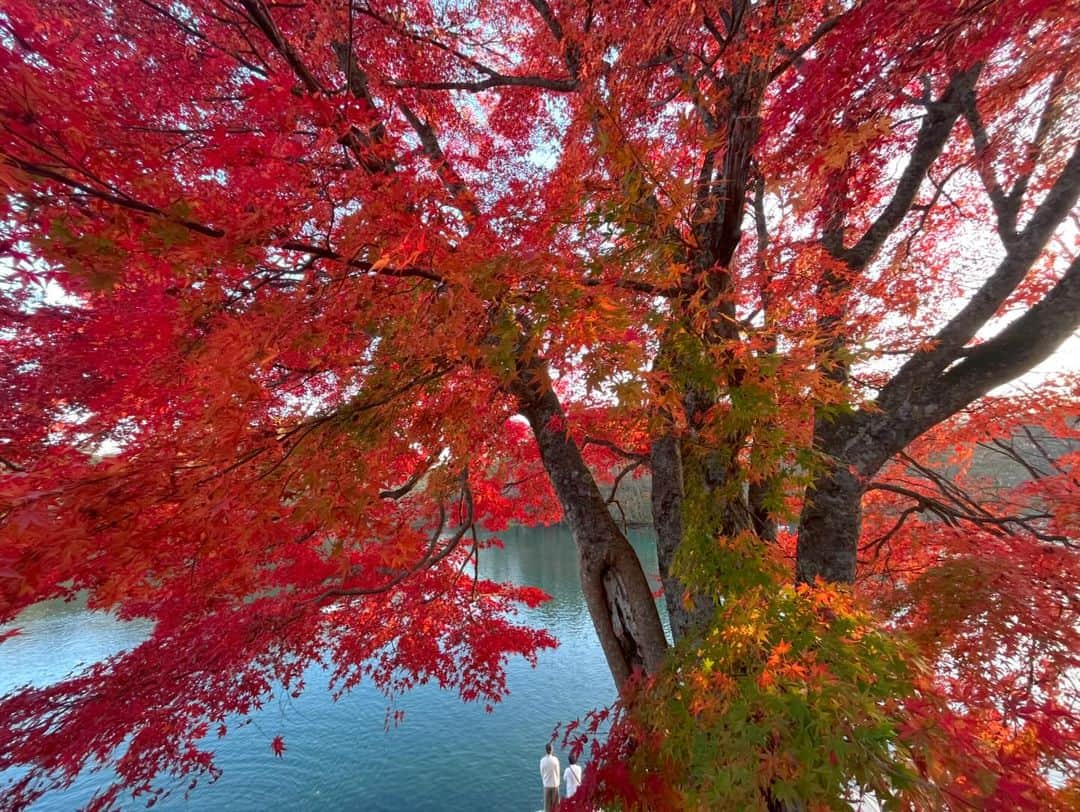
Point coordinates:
[[445, 756]]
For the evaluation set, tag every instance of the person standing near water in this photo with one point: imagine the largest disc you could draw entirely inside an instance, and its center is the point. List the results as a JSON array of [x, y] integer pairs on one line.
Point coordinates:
[[573, 776], [549, 774]]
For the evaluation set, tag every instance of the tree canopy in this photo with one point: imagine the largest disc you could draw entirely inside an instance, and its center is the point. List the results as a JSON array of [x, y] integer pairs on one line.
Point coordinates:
[[302, 301]]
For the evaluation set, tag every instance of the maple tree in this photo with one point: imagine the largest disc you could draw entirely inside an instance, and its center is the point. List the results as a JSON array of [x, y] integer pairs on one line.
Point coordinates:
[[299, 295]]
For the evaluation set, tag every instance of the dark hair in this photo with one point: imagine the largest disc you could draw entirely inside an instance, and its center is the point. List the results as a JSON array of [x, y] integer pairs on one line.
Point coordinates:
[[572, 758], [547, 748]]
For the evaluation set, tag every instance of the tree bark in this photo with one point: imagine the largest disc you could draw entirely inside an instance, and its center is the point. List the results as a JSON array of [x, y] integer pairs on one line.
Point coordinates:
[[679, 464], [940, 380], [668, 493], [858, 446], [829, 528], [614, 585]]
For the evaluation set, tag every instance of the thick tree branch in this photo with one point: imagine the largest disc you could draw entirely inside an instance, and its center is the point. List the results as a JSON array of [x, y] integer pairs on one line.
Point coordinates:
[[1006, 217], [1035, 148], [720, 237], [1024, 343], [260, 15], [614, 585], [429, 142], [1007, 205], [495, 80], [697, 98], [11, 466], [359, 142], [1023, 251], [931, 140], [911, 403], [548, 16], [761, 230], [703, 186], [410, 483], [797, 54], [571, 55]]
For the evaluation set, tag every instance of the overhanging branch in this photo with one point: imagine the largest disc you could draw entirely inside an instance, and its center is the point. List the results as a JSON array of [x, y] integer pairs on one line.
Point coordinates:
[[955, 516], [214, 232]]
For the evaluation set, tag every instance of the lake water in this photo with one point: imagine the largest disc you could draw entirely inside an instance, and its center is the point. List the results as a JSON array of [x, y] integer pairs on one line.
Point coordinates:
[[445, 756]]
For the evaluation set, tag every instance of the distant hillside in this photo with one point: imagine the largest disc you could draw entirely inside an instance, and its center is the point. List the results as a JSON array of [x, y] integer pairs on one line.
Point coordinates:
[[1036, 450], [633, 497]]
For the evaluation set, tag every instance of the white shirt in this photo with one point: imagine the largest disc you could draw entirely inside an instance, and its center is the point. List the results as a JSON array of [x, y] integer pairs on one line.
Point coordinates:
[[573, 779], [549, 771]]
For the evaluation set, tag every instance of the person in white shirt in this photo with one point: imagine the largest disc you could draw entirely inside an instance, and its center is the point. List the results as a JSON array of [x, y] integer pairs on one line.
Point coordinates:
[[549, 774], [573, 776]]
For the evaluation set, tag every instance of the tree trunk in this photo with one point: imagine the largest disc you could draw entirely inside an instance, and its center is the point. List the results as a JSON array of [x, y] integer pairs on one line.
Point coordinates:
[[667, 505], [829, 528], [616, 591], [696, 496]]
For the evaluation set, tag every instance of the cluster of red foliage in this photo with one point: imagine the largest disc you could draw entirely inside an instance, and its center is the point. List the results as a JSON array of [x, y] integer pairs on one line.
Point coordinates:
[[297, 297]]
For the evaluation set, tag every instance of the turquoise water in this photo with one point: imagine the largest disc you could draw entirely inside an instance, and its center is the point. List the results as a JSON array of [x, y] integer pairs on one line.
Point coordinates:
[[445, 756]]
